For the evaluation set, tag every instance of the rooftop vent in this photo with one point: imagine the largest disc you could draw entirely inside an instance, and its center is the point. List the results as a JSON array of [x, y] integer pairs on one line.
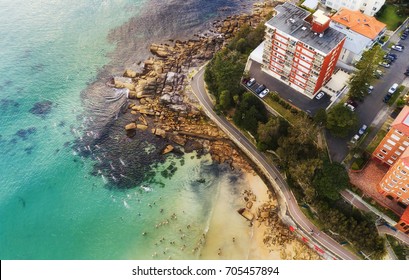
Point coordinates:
[[303, 28], [321, 35], [292, 20]]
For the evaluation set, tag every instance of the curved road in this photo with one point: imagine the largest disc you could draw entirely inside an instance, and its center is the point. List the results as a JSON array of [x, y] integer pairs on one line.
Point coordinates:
[[288, 205]]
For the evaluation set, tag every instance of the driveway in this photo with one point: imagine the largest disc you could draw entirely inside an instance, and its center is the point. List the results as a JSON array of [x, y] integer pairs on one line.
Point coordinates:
[[287, 93]]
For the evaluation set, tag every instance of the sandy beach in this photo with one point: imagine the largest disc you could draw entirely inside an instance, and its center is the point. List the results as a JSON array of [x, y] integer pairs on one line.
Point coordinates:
[[231, 236]]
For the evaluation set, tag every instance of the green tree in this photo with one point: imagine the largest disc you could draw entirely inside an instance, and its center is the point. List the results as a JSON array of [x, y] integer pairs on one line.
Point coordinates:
[[363, 77], [249, 113], [331, 179], [340, 120], [225, 100], [269, 133], [320, 117]]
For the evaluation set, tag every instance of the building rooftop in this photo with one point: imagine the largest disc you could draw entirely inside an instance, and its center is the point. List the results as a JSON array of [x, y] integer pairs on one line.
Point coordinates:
[[401, 122], [359, 22], [290, 19], [320, 17]]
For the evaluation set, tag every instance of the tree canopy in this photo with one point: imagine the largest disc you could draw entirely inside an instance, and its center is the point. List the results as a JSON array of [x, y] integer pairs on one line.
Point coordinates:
[[331, 179], [340, 120], [249, 113], [363, 77]]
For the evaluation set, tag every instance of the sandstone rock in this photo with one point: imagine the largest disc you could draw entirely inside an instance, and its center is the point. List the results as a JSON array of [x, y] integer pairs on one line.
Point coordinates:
[[141, 126], [130, 73], [167, 149], [249, 205], [130, 126], [159, 132]]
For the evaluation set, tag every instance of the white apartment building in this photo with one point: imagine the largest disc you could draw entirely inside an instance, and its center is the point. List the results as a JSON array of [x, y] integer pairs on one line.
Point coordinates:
[[368, 7], [362, 33]]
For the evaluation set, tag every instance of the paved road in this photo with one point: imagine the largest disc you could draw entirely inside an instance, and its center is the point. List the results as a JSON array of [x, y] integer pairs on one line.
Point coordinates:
[[397, 234], [368, 110], [288, 204]]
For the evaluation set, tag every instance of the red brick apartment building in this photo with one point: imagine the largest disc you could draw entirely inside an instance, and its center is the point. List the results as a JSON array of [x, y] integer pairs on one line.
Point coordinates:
[[396, 140], [403, 224], [301, 49], [393, 151]]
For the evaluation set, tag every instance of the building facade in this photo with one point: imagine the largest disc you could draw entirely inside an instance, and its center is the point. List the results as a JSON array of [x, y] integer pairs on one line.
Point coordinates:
[[301, 49], [362, 32], [368, 7], [395, 142], [403, 224], [395, 183]]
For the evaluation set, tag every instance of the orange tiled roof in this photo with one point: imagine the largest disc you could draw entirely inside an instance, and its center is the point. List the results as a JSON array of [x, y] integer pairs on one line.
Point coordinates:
[[359, 22], [401, 122], [405, 216]]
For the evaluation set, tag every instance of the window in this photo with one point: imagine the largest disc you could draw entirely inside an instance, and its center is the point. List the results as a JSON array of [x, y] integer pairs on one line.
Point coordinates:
[[403, 172], [406, 143], [398, 132], [398, 153], [394, 157], [390, 161], [392, 142], [402, 148], [394, 137], [383, 151], [387, 147]]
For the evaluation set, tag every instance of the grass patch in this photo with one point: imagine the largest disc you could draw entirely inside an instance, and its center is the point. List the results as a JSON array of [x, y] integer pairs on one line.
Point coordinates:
[[382, 209], [282, 107], [389, 16], [401, 251], [377, 139]]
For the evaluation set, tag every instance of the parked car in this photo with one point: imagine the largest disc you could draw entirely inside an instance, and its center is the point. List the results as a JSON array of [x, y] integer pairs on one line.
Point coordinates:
[[393, 88], [403, 37], [260, 88], [384, 64], [406, 73], [398, 48], [251, 82], [264, 93], [378, 74], [370, 89], [349, 106], [362, 129], [355, 139], [320, 95], [352, 102], [386, 98]]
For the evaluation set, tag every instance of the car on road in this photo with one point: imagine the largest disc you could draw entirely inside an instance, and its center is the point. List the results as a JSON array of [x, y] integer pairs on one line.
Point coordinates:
[[260, 88], [352, 102], [393, 88], [398, 48], [362, 129], [320, 95], [349, 106], [384, 64], [251, 82], [377, 74], [264, 93], [386, 98], [370, 89], [355, 139]]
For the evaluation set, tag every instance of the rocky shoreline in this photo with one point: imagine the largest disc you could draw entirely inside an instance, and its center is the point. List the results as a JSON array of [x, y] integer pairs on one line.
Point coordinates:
[[160, 98]]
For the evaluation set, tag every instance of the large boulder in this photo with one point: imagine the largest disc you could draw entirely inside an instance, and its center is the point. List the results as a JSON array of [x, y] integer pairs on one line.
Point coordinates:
[[167, 149], [130, 126], [130, 73]]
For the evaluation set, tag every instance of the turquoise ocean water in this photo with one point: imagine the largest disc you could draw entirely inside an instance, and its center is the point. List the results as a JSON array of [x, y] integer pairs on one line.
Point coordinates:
[[51, 207]]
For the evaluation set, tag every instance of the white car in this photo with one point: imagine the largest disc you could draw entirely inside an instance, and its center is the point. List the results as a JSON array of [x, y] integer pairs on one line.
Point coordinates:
[[264, 93], [355, 139], [349, 106], [397, 48], [393, 88], [320, 95]]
